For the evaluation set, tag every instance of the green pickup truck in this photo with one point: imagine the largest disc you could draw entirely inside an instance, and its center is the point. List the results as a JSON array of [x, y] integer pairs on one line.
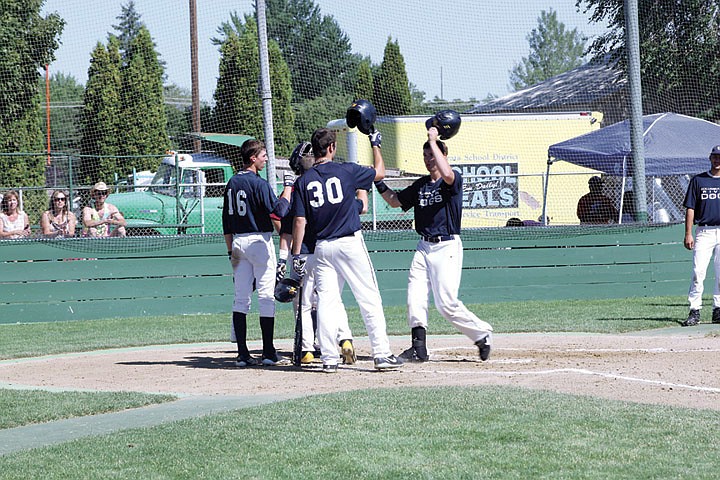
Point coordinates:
[[182, 198], [188, 198]]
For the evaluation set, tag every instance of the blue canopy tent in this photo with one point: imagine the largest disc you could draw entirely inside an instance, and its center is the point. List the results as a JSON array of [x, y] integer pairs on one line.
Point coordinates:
[[675, 145]]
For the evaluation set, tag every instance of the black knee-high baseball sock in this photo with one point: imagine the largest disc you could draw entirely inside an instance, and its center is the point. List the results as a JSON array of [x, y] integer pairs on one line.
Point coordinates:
[[418, 341], [267, 327], [240, 327]]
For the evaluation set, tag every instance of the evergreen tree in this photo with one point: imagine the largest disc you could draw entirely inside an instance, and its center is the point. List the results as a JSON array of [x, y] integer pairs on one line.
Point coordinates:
[[392, 89], [28, 44], [128, 28], [364, 87], [553, 50], [238, 107], [317, 52], [283, 113], [144, 129], [102, 115]]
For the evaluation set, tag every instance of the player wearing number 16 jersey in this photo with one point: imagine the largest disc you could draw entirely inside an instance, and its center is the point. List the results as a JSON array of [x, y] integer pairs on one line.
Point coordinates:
[[248, 202], [324, 198]]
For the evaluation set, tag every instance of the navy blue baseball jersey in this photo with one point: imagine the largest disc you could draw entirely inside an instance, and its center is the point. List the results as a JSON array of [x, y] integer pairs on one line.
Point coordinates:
[[309, 240], [248, 202], [438, 206], [325, 196], [703, 196]]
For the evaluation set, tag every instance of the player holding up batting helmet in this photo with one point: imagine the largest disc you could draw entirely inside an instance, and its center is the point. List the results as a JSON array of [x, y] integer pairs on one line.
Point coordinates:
[[437, 263], [247, 204], [324, 199]]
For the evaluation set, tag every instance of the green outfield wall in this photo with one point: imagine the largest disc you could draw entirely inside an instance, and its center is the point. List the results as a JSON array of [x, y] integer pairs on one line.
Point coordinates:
[[78, 278]]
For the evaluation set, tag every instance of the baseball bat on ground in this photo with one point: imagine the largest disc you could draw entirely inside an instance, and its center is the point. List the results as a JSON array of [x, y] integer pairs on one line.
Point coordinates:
[[297, 344]]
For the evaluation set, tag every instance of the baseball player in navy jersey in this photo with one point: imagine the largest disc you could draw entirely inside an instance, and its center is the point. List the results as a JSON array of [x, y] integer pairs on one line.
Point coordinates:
[[308, 302], [324, 198], [248, 202], [437, 263], [702, 204]]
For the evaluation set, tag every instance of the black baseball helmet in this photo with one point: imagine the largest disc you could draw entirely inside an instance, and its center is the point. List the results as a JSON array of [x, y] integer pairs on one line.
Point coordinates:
[[302, 149], [286, 289], [362, 115], [447, 123]]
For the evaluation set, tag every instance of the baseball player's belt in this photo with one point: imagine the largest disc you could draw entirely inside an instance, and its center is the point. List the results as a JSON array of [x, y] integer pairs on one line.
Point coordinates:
[[708, 225], [438, 238]]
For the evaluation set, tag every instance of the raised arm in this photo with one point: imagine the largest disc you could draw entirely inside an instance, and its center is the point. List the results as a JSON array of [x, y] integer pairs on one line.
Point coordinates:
[[446, 172]]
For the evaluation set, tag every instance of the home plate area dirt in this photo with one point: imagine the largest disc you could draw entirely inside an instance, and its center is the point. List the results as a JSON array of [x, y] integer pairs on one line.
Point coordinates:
[[681, 369]]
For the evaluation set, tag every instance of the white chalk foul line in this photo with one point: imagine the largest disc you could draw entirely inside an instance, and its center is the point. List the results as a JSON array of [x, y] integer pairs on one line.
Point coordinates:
[[579, 371], [586, 350]]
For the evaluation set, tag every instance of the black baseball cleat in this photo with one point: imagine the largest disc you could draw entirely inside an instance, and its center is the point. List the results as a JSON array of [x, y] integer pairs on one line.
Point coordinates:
[[716, 315], [246, 361], [693, 318], [411, 355], [483, 348], [387, 363]]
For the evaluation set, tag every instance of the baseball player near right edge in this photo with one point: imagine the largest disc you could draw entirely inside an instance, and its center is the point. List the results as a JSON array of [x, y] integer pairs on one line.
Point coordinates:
[[437, 263], [702, 204]]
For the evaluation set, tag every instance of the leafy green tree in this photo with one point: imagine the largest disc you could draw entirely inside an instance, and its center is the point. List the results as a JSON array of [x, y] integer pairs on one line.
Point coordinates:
[[144, 118], [102, 119], [66, 97], [315, 113], [178, 109], [418, 105], [28, 42], [679, 44], [364, 87], [553, 50], [238, 107], [392, 88]]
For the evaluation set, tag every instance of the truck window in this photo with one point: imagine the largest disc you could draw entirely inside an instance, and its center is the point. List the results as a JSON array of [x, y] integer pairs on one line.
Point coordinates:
[[214, 176]]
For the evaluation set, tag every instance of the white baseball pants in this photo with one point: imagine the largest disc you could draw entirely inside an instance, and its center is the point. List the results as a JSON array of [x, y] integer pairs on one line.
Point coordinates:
[[309, 301], [347, 259], [438, 267], [253, 258], [707, 244]]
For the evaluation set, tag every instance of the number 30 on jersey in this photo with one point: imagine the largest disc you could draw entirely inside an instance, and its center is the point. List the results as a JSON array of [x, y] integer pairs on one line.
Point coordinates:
[[331, 192]]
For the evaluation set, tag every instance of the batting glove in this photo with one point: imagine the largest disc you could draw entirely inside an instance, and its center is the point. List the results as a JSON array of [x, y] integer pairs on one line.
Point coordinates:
[[288, 179], [229, 254], [375, 138], [280, 270], [298, 266]]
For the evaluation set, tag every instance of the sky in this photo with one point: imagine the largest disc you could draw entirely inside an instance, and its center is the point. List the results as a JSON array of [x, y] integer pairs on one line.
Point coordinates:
[[460, 49]]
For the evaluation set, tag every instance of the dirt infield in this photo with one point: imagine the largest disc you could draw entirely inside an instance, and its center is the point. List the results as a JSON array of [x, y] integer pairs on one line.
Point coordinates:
[[679, 367]]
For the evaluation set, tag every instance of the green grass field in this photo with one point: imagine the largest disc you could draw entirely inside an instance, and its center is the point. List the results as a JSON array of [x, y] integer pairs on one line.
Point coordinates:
[[496, 432]]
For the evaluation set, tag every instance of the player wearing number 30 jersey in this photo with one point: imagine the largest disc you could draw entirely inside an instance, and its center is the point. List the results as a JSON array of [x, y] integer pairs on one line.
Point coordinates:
[[324, 199], [248, 202]]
